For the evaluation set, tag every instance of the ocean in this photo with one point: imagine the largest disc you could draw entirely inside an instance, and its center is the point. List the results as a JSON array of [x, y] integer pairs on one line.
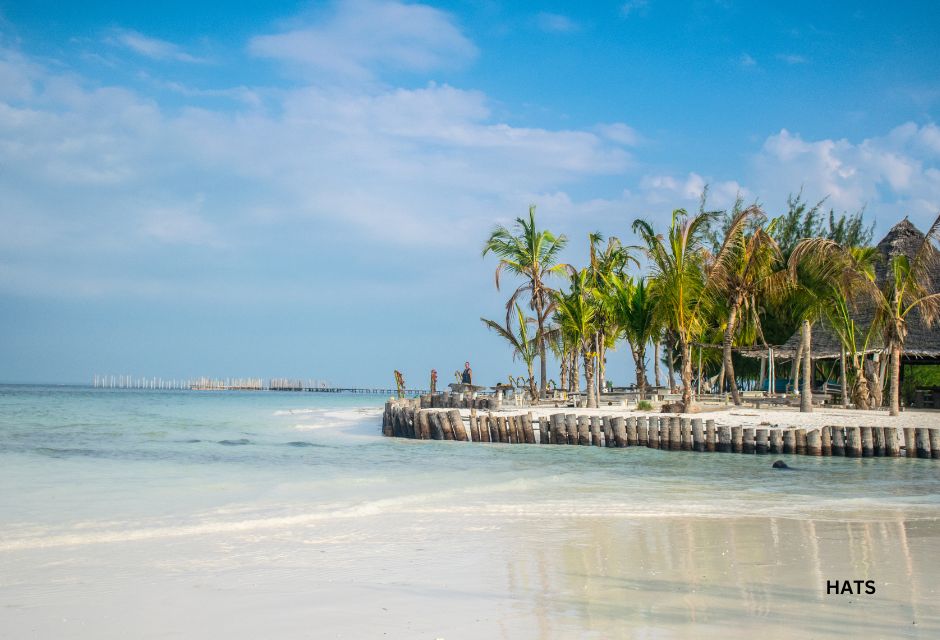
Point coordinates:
[[277, 514]]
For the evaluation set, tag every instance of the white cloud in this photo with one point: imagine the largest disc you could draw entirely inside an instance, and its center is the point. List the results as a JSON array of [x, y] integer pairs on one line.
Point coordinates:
[[792, 58], [104, 176], [632, 7], [362, 35], [747, 61], [620, 133], [556, 23], [892, 175], [150, 47]]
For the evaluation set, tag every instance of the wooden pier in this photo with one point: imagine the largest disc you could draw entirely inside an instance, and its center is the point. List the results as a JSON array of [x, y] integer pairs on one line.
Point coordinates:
[[439, 417], [238, 384]]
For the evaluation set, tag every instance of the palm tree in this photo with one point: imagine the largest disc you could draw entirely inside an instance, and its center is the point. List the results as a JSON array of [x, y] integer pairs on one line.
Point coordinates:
[[745, 273], [521, 342], [606, 263], [829, 278], [680, 277], [634, 311], [906, 287], [533, 255], [577, 318]]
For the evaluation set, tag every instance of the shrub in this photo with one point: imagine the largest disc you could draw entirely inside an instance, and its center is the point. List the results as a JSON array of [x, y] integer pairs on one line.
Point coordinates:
[[644, 405]]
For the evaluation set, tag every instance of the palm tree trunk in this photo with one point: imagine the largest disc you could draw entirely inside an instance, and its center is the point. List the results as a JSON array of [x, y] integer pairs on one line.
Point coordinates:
[[671, 367], [763, 373], [844, 379], [532, 391], [795, 372], [543, 362], [806, 392], [563, 373], [639, 361], [895, 382], [686, 363], [726, 353], [574, 377], [589, 377], [656, 376]]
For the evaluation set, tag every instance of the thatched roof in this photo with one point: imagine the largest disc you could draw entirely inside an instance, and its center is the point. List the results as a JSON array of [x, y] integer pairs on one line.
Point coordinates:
[[903, 238]]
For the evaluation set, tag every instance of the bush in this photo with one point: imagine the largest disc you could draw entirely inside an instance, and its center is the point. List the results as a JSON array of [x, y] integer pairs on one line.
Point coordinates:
[[644, 405]]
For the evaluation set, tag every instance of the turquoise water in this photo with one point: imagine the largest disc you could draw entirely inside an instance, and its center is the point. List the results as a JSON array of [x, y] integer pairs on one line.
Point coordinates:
[[262, 496]]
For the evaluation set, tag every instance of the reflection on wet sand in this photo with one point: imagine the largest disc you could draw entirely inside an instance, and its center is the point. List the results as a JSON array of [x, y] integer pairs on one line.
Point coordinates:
[[726, 577]]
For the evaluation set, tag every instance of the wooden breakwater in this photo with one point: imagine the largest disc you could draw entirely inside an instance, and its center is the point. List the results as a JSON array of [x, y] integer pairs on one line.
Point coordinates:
[[424, 418]]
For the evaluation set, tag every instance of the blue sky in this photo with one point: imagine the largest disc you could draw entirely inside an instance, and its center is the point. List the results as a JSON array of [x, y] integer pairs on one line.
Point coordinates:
[[302, 189]]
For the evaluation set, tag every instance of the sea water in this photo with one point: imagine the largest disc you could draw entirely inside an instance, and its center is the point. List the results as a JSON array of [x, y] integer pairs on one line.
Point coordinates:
[[130, 513]]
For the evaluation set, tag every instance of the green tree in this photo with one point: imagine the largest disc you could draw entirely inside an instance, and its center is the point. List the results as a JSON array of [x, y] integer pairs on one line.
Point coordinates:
[[634, 314], [522, 343], [577, 320], [531, 254], [743, 275], [677, 263]]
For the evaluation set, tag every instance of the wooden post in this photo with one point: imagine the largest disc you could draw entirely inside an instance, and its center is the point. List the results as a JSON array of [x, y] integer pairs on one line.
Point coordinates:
[[776, 440], [711, 436], [584, 431], [675, 434], [642, 431], [424, 425], [460, 433], [609, 431], [620, 431], [558, 429], [685, 433], [838, 441], [909, 442], [698, 435], [892, 444], [653, 439], [933, 437], [825, 436], [868, 442], [761, 446], [632, 438], [596, 431], [543, 426], [789, 441], [483, 422], [474, 426], [853, 442], [878, 435], [922, 442], [528, 432], [520, 430], [502, 428], [571, 427], [724, 439], [444, 425], [748, 445], [737, 439], [800, 441], [494, 427], [813, 442]]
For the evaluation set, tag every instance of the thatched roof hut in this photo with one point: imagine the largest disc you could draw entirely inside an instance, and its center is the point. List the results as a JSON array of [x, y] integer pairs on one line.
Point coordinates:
[[921, 342]]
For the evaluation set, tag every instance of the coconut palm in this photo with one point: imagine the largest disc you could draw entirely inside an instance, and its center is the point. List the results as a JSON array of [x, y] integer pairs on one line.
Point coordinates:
[[608, 262], [906, 287], [577, 319], [680, 277], [745, 273], [634, 314], [830, 279], [533, 255], [521, 342]]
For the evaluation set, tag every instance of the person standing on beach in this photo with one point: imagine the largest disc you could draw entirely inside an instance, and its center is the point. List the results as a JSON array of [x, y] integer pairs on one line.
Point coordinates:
[[433, 380], [467, 375]]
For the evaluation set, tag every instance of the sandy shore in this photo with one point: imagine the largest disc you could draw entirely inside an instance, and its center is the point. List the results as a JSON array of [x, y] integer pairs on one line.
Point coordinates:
[[777, 417]]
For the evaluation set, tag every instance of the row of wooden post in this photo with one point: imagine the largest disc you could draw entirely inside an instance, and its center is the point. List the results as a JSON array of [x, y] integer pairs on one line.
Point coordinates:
[[405, 418]]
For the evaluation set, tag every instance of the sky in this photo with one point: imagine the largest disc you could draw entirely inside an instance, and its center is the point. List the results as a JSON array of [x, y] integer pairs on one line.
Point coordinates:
[[303, 189]]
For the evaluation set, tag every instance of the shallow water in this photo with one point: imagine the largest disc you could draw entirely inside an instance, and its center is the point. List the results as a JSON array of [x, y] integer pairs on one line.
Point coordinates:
[[159, 514]]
